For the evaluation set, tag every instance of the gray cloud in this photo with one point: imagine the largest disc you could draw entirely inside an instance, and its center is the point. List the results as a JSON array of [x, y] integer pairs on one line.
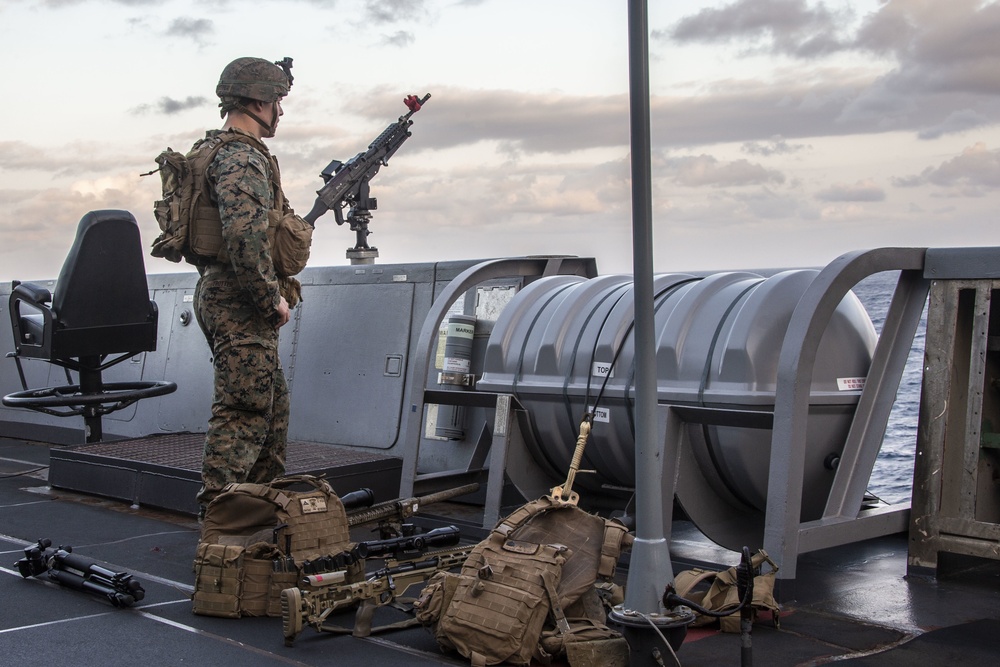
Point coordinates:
[[976, 170], [400, 38], [957, 121], [765, 119], [946, 55], [705, 170], [862, 191], [394, 11], [169, 106], [69, 160], [944, 50], [791, 27], [775, 146], [529, 123], [56, 4], [197, 30]]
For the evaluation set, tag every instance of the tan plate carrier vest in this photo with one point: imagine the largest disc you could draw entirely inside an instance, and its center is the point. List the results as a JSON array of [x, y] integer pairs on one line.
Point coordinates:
[[255, 538]]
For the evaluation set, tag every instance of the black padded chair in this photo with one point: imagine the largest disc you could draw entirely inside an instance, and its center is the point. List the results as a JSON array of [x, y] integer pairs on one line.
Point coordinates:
[[101, 307]]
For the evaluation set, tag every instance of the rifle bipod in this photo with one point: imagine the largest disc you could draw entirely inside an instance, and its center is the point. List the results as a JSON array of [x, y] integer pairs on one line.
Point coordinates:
[[76, 572]]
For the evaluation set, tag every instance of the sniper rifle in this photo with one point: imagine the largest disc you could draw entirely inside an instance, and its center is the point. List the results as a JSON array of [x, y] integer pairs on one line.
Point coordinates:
[[346, 183], [398, 511], [409, 545], [323, 594]]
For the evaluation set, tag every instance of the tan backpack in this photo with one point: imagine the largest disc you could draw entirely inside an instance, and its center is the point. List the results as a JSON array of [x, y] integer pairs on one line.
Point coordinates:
[[529, 590], [191, 229], [723, 594], [255, 539]]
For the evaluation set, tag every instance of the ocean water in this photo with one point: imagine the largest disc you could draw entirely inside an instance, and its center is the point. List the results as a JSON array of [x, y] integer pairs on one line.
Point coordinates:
[[893, 473]]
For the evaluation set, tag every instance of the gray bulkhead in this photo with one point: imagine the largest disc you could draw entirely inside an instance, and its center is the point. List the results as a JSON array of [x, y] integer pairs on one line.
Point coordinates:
[[346, 354]]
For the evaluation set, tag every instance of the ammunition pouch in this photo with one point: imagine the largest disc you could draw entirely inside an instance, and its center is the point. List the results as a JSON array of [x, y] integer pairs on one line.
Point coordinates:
[[290, 242]]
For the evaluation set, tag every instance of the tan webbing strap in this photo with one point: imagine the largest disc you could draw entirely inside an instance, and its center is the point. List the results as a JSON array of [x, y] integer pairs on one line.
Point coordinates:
[[685, 581], [519, 516], [557, 612], [260, 491], [614, 538]]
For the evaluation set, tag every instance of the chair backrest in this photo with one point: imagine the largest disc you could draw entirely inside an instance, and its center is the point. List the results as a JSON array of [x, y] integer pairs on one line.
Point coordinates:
[[103, 280]]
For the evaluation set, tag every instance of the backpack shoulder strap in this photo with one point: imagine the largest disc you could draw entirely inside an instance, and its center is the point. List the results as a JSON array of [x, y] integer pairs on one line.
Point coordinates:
[[264, 491], [521, 515]]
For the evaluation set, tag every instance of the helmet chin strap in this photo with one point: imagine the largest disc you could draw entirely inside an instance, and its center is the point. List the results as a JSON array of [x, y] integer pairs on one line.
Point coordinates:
[[269, 129]]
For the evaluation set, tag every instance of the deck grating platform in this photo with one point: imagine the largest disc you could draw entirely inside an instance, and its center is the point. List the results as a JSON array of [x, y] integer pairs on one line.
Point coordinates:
[[165, 470]]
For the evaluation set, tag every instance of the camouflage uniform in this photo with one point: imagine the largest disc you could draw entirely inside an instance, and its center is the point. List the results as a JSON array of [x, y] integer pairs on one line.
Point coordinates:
[[236, 305]]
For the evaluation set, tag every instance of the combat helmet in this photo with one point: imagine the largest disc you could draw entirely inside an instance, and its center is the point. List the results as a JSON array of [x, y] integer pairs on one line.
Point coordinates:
[[255, 79]]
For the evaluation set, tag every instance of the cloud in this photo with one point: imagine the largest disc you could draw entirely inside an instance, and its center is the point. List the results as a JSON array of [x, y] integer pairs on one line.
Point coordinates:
[[56, 4], [944, 51], [956, 122], [400, 38], [705, 170], [533, 123], [197, 30], [169, 106], [527, 122], [865, 190], [68, 160], [20, 155], [35, 248], [394, 11], [972, 173], [943, 56], [765, 120], [774, 146], [791, 27]]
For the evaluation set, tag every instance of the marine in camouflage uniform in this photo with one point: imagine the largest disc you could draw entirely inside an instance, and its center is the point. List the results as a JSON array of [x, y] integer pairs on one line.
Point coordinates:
[[238, 303]]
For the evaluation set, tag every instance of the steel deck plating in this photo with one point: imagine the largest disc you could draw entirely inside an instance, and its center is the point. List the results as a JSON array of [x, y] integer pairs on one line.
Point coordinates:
[[852, 602]]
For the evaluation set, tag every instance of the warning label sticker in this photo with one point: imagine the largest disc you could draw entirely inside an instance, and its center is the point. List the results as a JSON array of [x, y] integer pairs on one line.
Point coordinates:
[[850, 384]]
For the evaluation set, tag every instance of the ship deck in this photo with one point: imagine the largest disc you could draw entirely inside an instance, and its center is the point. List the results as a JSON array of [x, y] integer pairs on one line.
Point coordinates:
[[852, 603]]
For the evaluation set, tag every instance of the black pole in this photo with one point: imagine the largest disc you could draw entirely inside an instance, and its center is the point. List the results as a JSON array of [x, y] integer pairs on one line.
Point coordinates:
[[91, 383]]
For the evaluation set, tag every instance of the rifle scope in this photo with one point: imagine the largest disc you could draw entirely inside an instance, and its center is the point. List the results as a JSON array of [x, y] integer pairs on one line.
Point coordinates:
[[439, 537]]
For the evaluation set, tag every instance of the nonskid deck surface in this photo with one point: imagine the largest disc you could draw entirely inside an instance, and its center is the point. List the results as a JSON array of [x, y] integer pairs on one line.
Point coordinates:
[[850, 601], [165, 470]]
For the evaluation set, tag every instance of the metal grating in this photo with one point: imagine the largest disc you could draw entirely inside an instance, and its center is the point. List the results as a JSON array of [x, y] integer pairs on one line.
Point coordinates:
[[165, 470], [183, 451]]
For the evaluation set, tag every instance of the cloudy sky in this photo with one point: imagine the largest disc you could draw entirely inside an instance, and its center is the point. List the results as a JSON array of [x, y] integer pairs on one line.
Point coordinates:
[[784, 132]]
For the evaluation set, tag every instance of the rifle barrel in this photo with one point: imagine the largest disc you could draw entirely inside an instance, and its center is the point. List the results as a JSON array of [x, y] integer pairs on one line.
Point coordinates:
[[407, 507]]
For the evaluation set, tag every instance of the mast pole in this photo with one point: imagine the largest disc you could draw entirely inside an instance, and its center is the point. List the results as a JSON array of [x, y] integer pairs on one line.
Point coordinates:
[[650, 570]]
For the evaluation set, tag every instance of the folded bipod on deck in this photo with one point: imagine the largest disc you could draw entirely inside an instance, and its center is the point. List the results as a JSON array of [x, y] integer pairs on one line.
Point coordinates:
[[74, 571]]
